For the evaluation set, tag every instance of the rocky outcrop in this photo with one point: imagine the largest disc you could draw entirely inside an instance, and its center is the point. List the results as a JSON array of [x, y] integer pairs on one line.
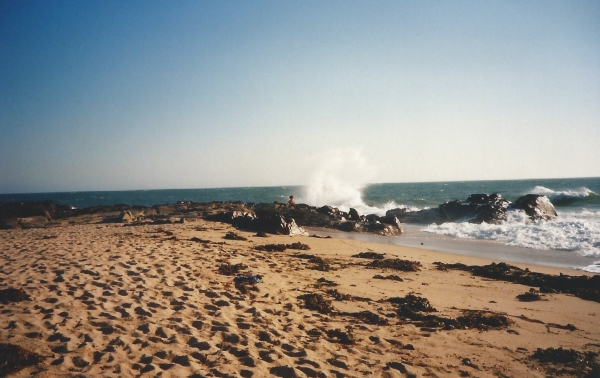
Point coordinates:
[[277, 217], [427, 216], [386, 226], [478, 208], [536, 206], [353, 215], [262, 221]]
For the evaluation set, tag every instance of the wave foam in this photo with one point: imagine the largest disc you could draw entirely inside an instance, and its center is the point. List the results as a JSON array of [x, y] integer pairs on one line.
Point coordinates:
[[566, 233], [564, 197], [593, 268]]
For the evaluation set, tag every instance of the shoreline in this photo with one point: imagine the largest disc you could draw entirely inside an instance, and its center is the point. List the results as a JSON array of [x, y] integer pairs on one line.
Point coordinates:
[[477, 248]]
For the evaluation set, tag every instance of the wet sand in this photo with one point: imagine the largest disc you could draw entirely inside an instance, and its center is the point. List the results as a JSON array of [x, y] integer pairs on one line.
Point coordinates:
[[111, 300]]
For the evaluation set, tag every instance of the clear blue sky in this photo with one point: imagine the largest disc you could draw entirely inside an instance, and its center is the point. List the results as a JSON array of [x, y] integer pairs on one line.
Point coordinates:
[[114, 95]]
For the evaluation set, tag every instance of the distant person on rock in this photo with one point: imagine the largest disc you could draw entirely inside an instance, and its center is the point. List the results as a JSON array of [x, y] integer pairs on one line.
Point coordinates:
[[291, 201]]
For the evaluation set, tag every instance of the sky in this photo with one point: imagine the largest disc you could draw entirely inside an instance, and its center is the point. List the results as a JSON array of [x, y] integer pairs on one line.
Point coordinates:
[[120, 95]]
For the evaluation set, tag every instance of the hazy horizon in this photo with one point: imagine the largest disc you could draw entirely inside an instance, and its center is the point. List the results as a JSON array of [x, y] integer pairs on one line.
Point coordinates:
[[308, 184], [141, 95]]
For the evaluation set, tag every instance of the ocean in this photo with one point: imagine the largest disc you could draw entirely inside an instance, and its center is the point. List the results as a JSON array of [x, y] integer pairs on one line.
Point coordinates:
[[576, 231]]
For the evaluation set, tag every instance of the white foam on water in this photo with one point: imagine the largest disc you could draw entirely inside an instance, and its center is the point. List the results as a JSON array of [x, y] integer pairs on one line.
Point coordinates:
[[569, 233], [564, 196], [593, 268]]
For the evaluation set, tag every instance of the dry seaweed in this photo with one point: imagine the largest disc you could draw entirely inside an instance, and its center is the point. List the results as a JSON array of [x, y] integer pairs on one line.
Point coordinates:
[[299, 246], [412, 303], [339, 336], [13, 295], [198, 240], [229, 270], [346, 297], [319, 264], [391, 277], [14, 358], [282, 247], [339, 296], [271, 247], [314, 301], [415, 308], [397, 264], [531, 296], [560, 361], [370, 255], [324, 282], [233, 236], [482, 320], [584, 287], [560, 355], [367, 317]]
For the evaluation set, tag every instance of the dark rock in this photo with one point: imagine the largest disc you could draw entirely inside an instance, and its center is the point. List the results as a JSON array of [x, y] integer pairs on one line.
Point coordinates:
[[536, 206], [477, 209], [383, 229], [277, 224], [427, 216], [353, 215], [351, 226]]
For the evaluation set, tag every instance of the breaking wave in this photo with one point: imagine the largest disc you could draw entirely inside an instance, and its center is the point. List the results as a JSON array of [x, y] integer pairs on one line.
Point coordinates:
[[339, 180], [567, 197], [568, 233]]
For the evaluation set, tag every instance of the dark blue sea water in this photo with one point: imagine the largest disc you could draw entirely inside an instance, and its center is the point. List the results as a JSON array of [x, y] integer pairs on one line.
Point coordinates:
[[577, 201]]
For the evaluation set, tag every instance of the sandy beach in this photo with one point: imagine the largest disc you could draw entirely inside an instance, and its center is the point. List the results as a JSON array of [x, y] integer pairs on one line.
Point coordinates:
[[162, 300]]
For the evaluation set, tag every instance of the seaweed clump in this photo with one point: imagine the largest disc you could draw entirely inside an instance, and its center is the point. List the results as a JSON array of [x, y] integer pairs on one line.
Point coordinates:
[[317, 262], [370, 255], [229, 270], [367, 317], [417, 309], [314, 301], [560, 361], [282, 247], [13, 295], [482, 320], [271, 247], [233, 236], [339, 336], [409, 305], [531, 296], [339, 296], [391, 277], [396, 264], [324, 282], [14, 358], [584, 287]]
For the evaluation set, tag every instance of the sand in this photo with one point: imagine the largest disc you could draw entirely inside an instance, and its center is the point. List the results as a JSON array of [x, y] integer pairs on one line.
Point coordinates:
[[118, 301]]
